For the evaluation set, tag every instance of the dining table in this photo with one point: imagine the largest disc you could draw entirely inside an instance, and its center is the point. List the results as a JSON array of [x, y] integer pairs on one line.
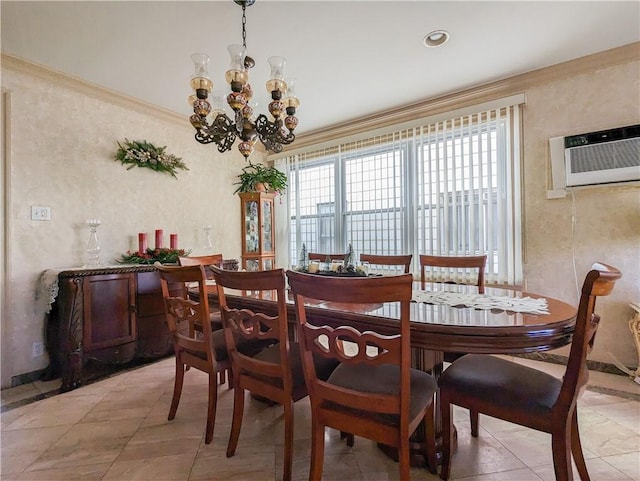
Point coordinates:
[[444, 318]]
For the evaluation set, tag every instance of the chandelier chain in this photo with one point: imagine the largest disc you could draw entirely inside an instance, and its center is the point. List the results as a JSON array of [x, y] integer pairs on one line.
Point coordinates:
[[244, 26]]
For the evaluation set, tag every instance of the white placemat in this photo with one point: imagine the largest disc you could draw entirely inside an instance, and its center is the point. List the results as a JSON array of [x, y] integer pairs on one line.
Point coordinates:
[[483, 301]]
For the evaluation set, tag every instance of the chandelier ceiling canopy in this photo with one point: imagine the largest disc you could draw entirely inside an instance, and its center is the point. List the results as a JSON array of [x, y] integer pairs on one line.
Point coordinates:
[[211, 122]]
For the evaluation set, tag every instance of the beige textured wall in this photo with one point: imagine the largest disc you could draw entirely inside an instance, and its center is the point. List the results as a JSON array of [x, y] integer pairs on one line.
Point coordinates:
[[607, 219], [62, 146]]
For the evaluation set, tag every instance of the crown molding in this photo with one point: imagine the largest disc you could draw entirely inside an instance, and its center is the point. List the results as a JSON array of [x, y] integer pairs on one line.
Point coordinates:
[[89, 89], [475, 95]]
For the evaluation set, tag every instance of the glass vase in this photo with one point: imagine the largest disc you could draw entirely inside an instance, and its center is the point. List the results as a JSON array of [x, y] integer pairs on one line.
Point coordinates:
[[208, 243], [93, 247]]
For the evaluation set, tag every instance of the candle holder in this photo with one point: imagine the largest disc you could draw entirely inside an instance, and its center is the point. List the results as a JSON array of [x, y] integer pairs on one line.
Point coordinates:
[[93, 247]]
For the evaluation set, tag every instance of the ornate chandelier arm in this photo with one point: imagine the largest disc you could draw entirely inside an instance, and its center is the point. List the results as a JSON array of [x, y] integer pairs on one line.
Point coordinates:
[[272, 134], [222, 131]]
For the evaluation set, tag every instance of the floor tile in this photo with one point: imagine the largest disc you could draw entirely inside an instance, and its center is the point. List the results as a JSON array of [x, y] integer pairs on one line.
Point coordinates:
[[87, 443], [628, 463], [21, 447], [92, 472], [599, 470], [515, 475], [163, 468]]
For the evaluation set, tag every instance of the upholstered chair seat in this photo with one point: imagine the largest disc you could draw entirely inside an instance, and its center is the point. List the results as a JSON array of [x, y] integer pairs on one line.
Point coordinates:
[[324, 366], [521, 388], [385, 379]]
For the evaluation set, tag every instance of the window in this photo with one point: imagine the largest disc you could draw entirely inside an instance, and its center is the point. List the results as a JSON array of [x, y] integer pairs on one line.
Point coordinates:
[[440, 187]]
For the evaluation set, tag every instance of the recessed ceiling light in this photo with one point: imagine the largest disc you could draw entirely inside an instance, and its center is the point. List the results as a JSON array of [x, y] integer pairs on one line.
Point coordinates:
[[436, 38]]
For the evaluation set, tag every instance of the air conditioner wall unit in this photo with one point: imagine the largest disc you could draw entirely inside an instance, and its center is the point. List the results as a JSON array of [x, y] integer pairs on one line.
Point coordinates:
[[603, 157]]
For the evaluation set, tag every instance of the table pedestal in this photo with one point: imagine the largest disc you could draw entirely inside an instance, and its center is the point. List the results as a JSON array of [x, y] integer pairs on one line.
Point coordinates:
[[432, 363]]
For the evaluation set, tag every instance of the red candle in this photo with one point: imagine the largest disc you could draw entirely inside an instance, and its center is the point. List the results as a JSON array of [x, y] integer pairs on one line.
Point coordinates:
[[142, 242], [158, 238], [173, 239]]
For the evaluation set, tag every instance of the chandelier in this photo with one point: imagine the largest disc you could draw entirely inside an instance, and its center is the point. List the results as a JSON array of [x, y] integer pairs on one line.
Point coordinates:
[[213, 125]]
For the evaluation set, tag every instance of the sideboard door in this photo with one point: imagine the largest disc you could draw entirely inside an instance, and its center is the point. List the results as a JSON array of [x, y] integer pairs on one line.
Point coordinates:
[[109, 314]]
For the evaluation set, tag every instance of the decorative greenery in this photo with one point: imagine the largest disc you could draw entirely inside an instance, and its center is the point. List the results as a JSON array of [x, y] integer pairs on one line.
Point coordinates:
[[252, 174], [163, 255], [144, 154]]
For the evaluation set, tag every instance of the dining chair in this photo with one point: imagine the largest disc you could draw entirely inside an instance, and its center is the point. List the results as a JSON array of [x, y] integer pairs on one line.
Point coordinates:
[[374, 392], [403, 261], [275, 373], [203, 348], [453, 270], [207, 261], [522, 395], [316, 256]]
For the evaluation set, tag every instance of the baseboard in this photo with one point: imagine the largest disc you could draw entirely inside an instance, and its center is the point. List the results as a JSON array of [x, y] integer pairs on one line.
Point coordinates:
[[557, 359], [27, 377]]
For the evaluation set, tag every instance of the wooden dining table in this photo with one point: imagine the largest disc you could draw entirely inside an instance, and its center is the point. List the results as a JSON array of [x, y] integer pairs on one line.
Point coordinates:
[[436, 328]]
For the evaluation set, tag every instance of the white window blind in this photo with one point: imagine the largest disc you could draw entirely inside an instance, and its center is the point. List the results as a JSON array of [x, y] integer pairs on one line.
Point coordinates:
[[446, 186]]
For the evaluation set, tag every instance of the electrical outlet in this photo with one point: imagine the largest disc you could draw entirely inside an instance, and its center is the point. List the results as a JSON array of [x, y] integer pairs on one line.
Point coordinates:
[[37, 349], [40, 212]]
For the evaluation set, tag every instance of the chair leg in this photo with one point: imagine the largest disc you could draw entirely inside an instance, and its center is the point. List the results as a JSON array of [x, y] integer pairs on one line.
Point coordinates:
[[288, 440], [177, 388], [561, 446], [211, 411], [576, 448], [317, 451], [236, 423], [230, 378], [430, 440], [403, 458], [349, 438], [445, 411], [473, 420]]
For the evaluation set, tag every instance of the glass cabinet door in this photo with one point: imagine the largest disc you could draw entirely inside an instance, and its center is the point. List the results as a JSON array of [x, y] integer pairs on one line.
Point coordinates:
[[267, 228], [251, 228]]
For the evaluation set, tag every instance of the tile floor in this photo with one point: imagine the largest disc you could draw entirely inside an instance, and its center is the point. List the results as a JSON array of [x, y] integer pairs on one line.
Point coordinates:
[[117, 430]]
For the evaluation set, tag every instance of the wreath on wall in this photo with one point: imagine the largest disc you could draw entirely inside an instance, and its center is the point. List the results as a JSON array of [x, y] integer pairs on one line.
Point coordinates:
[[141, 153]]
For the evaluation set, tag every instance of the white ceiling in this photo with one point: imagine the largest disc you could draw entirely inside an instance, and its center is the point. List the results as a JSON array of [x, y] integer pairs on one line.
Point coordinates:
[[349, 58]]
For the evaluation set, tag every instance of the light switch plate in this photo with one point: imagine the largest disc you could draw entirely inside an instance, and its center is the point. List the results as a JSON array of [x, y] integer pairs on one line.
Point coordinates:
[[40, 212]]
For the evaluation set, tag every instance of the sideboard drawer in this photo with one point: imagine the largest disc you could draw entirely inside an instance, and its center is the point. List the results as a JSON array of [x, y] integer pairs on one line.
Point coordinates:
[[148, 283]]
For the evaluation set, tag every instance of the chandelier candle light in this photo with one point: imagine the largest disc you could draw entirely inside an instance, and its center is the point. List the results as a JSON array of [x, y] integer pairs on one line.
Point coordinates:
[[213, 125]]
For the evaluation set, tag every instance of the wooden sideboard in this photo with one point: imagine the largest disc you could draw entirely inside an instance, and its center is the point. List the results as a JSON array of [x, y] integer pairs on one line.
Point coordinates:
[[106, 318]]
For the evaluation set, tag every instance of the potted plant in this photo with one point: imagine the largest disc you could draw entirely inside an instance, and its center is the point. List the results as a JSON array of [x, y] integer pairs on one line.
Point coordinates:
[[255, 175]]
